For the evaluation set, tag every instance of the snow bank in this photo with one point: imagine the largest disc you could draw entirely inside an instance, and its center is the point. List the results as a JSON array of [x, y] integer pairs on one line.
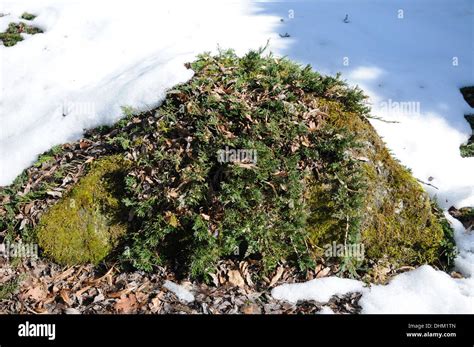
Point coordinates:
[[182, 293], [96, 56]]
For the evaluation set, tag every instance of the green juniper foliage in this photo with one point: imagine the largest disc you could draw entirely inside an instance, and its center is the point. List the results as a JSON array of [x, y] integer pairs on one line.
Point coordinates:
[[8, 288], [27, 16], [467, 150], [305, 190], [195, 209], [14, 32]]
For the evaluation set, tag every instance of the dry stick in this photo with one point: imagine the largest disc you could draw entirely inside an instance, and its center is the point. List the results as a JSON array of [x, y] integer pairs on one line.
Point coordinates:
[[347, 232], [104, 276], [428, 184], [383, 120]]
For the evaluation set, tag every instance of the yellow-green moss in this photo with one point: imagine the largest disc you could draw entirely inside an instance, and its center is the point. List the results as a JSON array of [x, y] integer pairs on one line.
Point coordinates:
[[397, 218], [84, 225], [401, 225]]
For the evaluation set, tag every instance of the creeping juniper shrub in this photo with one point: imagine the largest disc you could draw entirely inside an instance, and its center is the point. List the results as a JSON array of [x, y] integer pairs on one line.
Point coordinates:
[[306, 189], [194, 209], [27, 16], [14, 32]]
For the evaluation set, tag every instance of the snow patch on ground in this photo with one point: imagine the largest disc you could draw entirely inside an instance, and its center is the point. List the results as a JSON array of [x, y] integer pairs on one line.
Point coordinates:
[[325, 310], [319, 289], [421, 291], [182, 293]]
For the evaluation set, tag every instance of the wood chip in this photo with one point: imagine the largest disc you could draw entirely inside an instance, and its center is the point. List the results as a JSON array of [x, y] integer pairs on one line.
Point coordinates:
[[277, 276], [235, 278]]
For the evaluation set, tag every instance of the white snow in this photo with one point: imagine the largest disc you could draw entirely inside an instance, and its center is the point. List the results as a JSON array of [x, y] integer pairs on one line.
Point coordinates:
[[99, 55], [464, 262], [422, 291], [325, 310], [182, 293], [319, 289], [96, 56]]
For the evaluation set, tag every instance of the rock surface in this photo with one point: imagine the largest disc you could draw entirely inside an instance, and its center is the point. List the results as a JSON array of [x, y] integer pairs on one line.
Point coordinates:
[[465, 215], [468, 94]]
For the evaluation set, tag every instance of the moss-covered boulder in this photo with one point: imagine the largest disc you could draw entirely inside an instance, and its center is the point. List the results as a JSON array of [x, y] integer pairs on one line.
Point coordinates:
[[390, 214], [85, 225], [255, 157], [320, 174]]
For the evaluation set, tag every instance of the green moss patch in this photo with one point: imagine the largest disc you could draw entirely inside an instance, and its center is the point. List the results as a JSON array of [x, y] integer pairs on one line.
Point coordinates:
[[86, 224], [378, 203]]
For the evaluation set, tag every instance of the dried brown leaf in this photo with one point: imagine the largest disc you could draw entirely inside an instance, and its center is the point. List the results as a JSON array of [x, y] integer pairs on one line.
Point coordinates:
[[127, 303]]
